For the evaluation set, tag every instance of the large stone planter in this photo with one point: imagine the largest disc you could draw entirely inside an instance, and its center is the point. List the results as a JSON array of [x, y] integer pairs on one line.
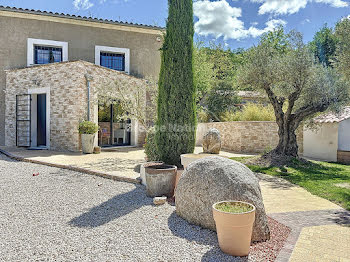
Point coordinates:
[[143, 172], [187, 159], [87, 143], [160, 180]]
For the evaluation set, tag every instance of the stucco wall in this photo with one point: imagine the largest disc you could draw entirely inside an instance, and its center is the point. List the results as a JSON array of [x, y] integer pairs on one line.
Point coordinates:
[[321, 143], [247, 136], [344, 135], [68, 98], [82, 39]]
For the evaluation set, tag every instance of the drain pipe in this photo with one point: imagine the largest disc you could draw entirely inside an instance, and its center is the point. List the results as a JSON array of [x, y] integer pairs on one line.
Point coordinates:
[[88, 79]]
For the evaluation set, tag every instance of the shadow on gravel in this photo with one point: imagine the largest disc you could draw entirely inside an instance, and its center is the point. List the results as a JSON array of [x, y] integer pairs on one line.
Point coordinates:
[[341, 218], [116, 207], [181, 228]]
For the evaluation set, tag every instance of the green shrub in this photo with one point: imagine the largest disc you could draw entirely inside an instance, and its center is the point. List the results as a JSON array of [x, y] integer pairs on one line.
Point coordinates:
[[251, 112], [87, 127], [176, 111], [150, 146]]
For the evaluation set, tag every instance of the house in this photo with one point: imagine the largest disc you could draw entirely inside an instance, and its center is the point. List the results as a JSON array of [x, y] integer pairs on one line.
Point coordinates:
[[49, 64], [330, 140], [255, 97]]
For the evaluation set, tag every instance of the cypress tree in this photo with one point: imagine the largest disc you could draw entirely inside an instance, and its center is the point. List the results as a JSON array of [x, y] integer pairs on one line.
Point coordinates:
[[176, 111]]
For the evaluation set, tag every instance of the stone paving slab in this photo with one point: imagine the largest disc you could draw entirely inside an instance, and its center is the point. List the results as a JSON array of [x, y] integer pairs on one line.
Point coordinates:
[[282, 196], [323, 243], [297, 221]]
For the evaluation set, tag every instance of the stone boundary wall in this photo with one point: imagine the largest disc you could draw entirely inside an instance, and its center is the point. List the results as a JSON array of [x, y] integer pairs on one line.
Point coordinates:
[[246, 136]]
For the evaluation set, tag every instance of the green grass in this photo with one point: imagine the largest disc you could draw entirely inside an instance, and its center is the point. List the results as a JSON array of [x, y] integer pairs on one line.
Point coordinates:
[[234, 208], [319, 178]]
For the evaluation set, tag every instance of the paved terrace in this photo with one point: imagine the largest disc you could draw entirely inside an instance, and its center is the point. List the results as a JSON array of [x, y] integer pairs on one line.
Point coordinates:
[[123, 162]]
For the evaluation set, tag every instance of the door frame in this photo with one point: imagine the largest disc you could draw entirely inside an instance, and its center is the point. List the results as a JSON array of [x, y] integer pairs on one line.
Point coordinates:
[[40, 91]]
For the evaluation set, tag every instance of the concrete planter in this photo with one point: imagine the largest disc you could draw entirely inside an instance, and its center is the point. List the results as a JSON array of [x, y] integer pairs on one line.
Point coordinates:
[[143, 172], [187, 159], [160, 180], [87, 143], [234, 230]]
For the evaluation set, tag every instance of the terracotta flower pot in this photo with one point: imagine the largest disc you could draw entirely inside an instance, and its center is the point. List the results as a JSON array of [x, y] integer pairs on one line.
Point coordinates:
[[234, 230], [160, 180]]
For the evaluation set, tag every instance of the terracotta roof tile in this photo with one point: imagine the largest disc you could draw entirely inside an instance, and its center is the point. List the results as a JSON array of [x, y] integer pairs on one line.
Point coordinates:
[[334, 118], [76, 17]]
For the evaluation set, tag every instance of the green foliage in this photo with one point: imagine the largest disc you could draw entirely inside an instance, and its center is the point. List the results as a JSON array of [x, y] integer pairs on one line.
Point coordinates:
[[233, 207], [342, 33], [87, 127], [203, 71], [150, 146], [215, 70], [176, 111], [251, 112], [323, 45], [221, 98]]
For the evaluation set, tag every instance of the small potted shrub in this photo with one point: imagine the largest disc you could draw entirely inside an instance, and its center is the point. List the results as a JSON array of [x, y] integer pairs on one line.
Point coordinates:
[[88, 129], [234, 226], [151, 152]]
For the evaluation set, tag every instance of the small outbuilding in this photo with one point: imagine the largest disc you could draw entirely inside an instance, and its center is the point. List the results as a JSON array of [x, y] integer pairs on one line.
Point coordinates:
[[330, 140]]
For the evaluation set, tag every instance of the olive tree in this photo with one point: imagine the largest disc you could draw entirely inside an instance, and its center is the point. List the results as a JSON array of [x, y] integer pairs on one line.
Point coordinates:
[[342, 56], [297, 87]]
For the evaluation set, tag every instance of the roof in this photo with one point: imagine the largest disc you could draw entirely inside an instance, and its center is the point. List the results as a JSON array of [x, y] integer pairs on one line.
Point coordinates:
[[73, 62], [333, 117], [76, 17]]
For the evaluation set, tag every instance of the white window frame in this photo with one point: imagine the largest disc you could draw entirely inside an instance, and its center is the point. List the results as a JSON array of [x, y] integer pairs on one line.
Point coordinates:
[[115, 50], [31, 42]]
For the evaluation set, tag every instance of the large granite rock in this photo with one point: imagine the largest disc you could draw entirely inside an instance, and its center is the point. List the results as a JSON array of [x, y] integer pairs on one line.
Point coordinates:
[[213, 179], [212, 142]]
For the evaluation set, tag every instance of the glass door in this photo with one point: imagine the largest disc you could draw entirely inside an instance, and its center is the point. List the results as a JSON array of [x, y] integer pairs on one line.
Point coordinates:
[[114, 130]]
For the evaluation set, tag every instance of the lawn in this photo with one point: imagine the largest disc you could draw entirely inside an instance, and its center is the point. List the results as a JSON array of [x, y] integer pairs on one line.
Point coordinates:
[[327, 180]]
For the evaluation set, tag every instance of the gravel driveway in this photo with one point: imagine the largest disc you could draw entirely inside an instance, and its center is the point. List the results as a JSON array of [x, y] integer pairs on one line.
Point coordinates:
[[61, 215]]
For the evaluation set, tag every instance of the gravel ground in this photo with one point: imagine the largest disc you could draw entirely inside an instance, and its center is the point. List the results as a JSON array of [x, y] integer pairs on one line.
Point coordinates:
[[59, 215]]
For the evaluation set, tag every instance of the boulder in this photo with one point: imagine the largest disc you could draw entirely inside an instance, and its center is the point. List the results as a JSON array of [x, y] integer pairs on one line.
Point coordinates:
[[212, 142], [213, 179]]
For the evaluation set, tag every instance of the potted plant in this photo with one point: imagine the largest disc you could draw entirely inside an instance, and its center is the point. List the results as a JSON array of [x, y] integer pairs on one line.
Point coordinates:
[[234, 226], [160, 180], [88, 129]]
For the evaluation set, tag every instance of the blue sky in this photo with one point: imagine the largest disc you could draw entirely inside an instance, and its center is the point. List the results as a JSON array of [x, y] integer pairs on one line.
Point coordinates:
[[236, 23]]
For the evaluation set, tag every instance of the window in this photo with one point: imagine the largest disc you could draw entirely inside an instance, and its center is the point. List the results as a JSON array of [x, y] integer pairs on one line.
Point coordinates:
[[113, 57], [113, 61], [42, 51], [47, 55]]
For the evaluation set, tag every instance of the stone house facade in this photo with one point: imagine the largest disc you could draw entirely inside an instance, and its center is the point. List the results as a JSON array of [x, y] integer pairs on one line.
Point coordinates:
[[31, 37], [66, 89]]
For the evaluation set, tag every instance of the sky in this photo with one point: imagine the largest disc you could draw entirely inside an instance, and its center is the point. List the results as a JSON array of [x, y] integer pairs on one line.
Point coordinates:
[[233, 23]]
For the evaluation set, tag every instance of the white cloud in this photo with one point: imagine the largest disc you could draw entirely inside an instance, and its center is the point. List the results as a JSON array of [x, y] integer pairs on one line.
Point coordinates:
[[281, 7], [82, 4], [220, 19]]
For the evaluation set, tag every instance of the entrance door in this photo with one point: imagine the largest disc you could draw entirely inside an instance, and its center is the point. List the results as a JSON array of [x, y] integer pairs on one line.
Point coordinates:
[[41, 120], [114, 131]]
